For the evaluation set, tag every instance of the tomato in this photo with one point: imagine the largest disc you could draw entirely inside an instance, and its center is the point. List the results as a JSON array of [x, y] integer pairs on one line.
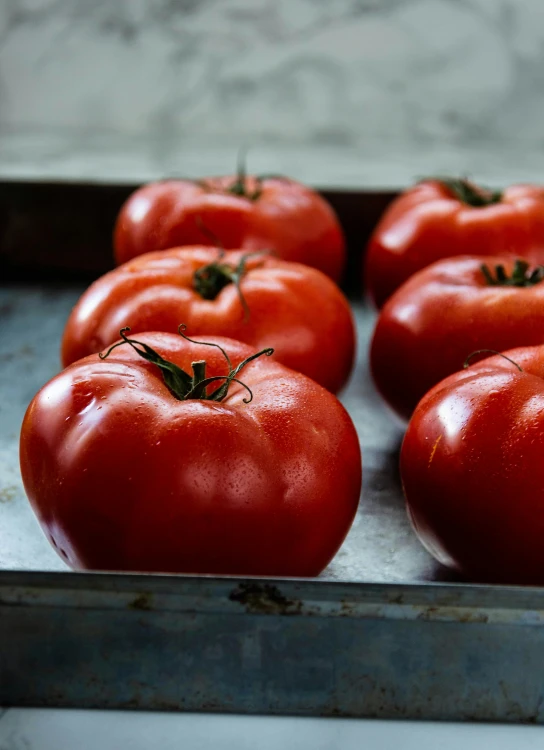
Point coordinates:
[[276, 213], [158, 459], [427, 329], [257, 299], [442, 218], [472, 469]]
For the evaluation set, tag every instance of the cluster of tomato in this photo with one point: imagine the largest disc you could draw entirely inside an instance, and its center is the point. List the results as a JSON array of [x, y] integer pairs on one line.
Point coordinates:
[[177, 445], [182, 446], [457, 273]]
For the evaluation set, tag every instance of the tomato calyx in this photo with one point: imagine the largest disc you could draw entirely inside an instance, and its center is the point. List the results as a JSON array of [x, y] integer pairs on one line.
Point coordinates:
[[240, 186], [469, 193], [520, 276], [183, 386], [210, 279], [490, 351]]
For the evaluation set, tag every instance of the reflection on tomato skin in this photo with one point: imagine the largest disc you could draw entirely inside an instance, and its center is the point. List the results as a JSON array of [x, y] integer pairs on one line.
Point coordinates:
[[472, 469]]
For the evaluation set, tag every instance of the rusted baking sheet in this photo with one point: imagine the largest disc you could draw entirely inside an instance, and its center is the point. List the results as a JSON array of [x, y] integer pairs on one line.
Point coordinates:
[[285, 647]]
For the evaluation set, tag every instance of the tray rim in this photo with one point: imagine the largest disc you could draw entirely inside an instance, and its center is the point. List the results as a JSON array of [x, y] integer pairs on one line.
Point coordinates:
[[279, 596]]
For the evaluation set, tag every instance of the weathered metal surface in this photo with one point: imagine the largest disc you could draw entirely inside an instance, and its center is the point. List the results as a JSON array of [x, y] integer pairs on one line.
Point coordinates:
[[31, 322], [286, 647]]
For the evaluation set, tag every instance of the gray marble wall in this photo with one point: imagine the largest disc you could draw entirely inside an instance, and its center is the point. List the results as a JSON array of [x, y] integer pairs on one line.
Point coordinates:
[[344, 90]]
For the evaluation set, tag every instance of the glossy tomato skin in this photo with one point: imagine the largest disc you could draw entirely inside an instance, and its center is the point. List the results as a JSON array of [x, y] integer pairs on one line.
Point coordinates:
[[440, 316], [295, 309], [472, 470], [123, 476], [427, 223], [288, 218]]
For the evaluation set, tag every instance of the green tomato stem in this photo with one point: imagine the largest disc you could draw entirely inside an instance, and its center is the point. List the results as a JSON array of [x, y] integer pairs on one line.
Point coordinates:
[[469, 193], [520, 276], [183, 386]]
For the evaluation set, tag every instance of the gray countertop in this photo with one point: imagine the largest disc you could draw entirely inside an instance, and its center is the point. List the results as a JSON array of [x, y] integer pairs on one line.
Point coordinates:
[[352, 93], [52, 729], [384, 164]]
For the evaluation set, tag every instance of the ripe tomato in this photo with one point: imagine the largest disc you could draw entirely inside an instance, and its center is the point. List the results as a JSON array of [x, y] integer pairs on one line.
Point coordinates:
[[427, 329], [132, 463], [472, 469], [441, 218], [276, 213], [257, 299]]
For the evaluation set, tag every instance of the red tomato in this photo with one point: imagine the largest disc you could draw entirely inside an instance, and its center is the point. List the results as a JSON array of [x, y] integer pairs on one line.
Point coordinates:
[[472, 469], [428, 328], [276, 213], [441, 218], [260, 300], [128, 473]]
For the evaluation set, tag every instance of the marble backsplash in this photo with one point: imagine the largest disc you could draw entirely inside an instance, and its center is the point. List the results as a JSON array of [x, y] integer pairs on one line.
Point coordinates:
[[337, 92]]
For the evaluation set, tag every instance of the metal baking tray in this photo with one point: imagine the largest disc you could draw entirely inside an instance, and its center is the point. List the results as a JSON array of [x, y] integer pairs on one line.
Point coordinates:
[[383, 632]]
